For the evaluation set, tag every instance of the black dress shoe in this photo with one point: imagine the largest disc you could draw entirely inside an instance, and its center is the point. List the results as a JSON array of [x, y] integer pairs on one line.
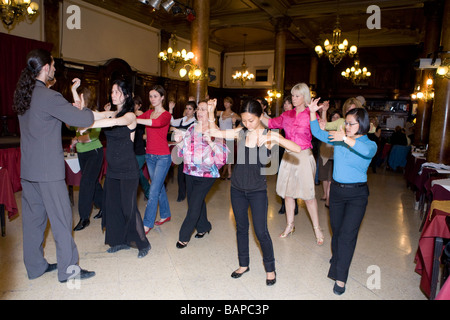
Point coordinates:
[[81, 225], [98, 215], [238, 275], [84, 274], [51, 267]]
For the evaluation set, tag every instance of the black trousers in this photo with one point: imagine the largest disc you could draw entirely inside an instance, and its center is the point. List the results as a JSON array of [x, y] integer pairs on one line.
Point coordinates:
[[347, 209], [257, 201], [196, 217], [121, 216], [91, 191], [181, 177]]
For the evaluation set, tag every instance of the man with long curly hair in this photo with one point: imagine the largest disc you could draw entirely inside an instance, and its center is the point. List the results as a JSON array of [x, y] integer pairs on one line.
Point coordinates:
[[41, 112]]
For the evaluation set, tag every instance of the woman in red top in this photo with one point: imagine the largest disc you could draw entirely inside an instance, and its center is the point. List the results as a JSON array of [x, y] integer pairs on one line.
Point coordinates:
[[157, 122]]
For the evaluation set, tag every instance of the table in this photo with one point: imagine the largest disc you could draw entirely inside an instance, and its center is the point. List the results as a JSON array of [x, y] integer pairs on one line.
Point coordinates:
[[430, 250], [10, 159], [7, 199]]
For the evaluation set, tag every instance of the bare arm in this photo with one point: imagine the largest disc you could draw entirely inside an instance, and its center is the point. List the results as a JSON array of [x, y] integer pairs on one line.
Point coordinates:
[[214, 131]]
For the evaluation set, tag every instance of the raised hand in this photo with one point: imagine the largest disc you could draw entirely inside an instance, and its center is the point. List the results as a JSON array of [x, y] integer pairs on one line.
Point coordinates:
[[212, 103], [178, 135], [313, 106], [337, 135], [76, 83]]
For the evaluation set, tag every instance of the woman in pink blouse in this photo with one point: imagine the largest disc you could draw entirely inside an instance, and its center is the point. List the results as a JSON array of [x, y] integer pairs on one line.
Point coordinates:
[[297, 170], [203, 156]]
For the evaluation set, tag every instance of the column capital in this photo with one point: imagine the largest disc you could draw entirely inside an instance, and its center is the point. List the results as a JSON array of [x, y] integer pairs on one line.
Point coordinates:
[[281, 23]]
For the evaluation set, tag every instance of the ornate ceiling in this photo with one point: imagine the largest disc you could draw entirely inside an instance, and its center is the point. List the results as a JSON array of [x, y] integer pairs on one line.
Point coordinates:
[[312, 21]]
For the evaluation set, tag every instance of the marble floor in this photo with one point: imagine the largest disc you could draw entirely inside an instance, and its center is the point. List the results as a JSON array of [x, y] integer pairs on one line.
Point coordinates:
[[382, 267]]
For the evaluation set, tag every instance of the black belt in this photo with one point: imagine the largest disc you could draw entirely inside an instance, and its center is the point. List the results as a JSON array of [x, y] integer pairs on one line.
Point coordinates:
[[349, 185]]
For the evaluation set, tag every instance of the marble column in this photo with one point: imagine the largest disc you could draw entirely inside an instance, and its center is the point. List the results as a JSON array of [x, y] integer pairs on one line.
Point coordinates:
[[439, 142], [281, 25], [431, 45], [200, 47], [52, 25]]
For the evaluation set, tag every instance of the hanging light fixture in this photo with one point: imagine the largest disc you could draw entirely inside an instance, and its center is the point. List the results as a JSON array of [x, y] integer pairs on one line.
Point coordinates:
[[336, 50], [243, 75], [355, 73], [174, 57], [15, 11]]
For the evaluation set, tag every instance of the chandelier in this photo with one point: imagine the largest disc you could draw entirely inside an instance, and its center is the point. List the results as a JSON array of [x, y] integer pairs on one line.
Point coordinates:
[[336, 50], [243, 75], [174, 57], [355, 73], [14, 11]]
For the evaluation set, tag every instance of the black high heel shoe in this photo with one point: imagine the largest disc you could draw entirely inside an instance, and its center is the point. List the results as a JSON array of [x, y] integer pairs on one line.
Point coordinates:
[[271, 282], [200, 235], [338, 289], [181, 245]]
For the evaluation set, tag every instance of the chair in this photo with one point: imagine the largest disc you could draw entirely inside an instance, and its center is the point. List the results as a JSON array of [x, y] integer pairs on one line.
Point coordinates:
[[398, 156]]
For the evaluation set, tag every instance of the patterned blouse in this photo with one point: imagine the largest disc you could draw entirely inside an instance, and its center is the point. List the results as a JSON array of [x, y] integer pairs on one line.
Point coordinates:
[[200, 159]]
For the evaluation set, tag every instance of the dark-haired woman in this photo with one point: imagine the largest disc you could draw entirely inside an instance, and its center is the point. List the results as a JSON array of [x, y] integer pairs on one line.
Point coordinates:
[[90, 158], [353, 152], [121, 217], [182, 124], [157, 122], [248, 182]]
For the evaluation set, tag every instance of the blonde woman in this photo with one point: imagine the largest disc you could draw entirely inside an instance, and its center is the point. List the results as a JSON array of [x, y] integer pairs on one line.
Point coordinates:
[[297, 170]]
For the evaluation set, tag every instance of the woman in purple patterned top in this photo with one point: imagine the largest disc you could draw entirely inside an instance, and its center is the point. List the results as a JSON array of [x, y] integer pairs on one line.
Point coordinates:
[[203, 156]]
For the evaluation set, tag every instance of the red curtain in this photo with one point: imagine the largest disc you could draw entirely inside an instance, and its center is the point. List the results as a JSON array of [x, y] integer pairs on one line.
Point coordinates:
[[13, 52]]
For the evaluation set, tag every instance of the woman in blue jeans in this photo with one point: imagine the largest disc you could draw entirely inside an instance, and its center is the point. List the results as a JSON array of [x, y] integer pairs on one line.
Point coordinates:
[[248, 182], [157, 122]]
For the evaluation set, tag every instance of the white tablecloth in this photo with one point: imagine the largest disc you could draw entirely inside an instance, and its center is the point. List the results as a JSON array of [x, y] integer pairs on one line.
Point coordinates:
[[73, 163], [442, 182]]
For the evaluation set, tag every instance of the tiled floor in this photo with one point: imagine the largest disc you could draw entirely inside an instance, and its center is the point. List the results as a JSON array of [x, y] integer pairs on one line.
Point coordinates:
[[387, 244]]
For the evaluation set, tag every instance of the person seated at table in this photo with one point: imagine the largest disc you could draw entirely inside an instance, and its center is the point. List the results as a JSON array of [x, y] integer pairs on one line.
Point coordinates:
[[90, 157], [121, 216], [398, 137]]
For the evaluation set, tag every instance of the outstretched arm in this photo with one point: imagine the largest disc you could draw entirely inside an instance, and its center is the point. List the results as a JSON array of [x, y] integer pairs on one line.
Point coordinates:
[[214, 131]]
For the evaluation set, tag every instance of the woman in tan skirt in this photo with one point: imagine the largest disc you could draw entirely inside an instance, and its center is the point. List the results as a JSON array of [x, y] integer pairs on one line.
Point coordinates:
[[297, 170]]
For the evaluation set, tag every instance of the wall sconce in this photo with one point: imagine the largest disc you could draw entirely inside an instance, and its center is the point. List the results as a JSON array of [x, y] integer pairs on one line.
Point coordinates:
[[273, 94], [193, 72], [426, 94], [444, 69]]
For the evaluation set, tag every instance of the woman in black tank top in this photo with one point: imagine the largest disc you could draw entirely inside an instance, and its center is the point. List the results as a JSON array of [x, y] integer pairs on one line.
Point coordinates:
[[248, 182], [121, 216]]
